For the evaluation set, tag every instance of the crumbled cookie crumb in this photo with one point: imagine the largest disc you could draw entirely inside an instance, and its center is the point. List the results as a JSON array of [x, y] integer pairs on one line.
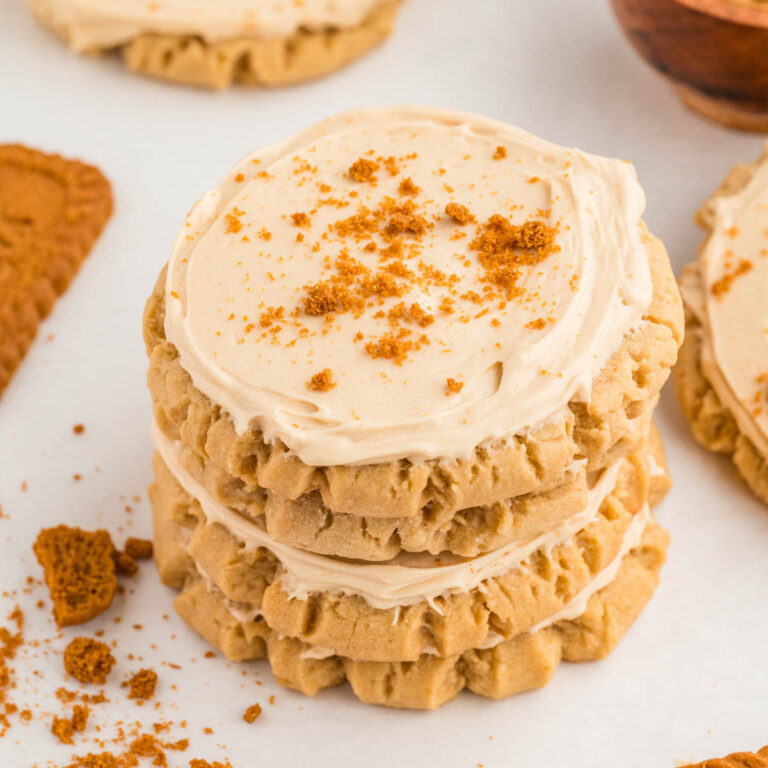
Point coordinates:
[[78, 429], [88, 660], [459, 213], [80, 717], [363, 170], [252, 713], [322, 381], [453, 386], [407, 187], [723, 285], [125, 565], [500, 153], [142, 685], [79, 571], [62, 729], [138, 549], [300, 219]]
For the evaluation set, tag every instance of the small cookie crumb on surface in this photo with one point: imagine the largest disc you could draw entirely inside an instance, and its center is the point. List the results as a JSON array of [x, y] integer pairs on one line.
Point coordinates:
[[138, 549], [322, 381], [252, 713], [79, 571], [142, 685], [88, 660], [125, 565], [78, 429], [62, 729]]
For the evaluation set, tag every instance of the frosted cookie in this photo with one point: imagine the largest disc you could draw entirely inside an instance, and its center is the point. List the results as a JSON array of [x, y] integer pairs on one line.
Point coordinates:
[[590, 631], [213, 44], [307, 523], [722, 377], [441, 309], [396, 611]]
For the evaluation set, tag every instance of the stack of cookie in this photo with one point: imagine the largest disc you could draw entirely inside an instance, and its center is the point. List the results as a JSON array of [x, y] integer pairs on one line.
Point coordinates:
[[403, 367]]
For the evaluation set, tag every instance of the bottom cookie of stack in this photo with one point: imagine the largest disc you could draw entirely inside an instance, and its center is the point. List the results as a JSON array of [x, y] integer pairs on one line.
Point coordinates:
[[569, 599]]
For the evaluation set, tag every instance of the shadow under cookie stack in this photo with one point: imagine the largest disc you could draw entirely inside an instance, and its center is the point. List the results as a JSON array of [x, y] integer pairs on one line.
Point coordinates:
[[404, 366]]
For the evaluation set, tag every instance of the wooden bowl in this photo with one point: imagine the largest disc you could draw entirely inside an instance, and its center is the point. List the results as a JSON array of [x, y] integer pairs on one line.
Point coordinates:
[[715, 52]]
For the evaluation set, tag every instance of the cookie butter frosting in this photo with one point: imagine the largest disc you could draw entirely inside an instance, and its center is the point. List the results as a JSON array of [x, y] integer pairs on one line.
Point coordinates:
[[727, 291], [406, 283], [574, 608], [99, 24], [405, 580]]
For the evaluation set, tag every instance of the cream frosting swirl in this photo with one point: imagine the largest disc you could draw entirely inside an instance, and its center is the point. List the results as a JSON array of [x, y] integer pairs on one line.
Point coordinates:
[[98, 24], [726, 289], [242, 265], [405, 580]]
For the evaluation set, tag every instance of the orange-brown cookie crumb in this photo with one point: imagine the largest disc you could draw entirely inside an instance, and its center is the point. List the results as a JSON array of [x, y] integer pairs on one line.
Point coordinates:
[[390, 347], [459, 213], [79, 570], [300, 219], [80, 717], [363, 170], [125, 565], [453, 387], [142, 685], [88, 660], [408, 187], [500, 153], [138, 549], [62, 729], [504, 247], [322, 381], [252, 713], [723, 285], [78, 429]]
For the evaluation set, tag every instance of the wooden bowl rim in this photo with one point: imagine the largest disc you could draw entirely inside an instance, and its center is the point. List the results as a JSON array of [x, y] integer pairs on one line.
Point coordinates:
[[731, 10]]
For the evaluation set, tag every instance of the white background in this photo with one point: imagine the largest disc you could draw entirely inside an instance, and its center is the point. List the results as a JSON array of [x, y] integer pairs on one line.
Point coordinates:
[[689, 680]]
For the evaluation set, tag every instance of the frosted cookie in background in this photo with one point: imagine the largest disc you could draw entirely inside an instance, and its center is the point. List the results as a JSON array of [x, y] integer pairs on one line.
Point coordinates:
[[722, 376], [215, 44]]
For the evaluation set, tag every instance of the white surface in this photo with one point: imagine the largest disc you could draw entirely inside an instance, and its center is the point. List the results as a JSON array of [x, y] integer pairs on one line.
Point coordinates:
[[688, 681]]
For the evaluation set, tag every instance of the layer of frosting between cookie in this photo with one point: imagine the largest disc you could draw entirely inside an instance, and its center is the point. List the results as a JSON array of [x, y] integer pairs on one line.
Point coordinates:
[[726, 289], [574, 608], [242, 267], [405, 580], [98, 24]]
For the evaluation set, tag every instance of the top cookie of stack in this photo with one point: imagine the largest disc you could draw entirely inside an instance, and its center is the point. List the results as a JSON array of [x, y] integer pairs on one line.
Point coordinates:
[[411, 329]]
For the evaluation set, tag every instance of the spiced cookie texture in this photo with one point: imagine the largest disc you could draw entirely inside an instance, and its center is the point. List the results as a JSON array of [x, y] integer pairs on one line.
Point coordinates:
[[252, 42], [403, 415], [737, 760], [722, 377], [51, 212], [79, 570]]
